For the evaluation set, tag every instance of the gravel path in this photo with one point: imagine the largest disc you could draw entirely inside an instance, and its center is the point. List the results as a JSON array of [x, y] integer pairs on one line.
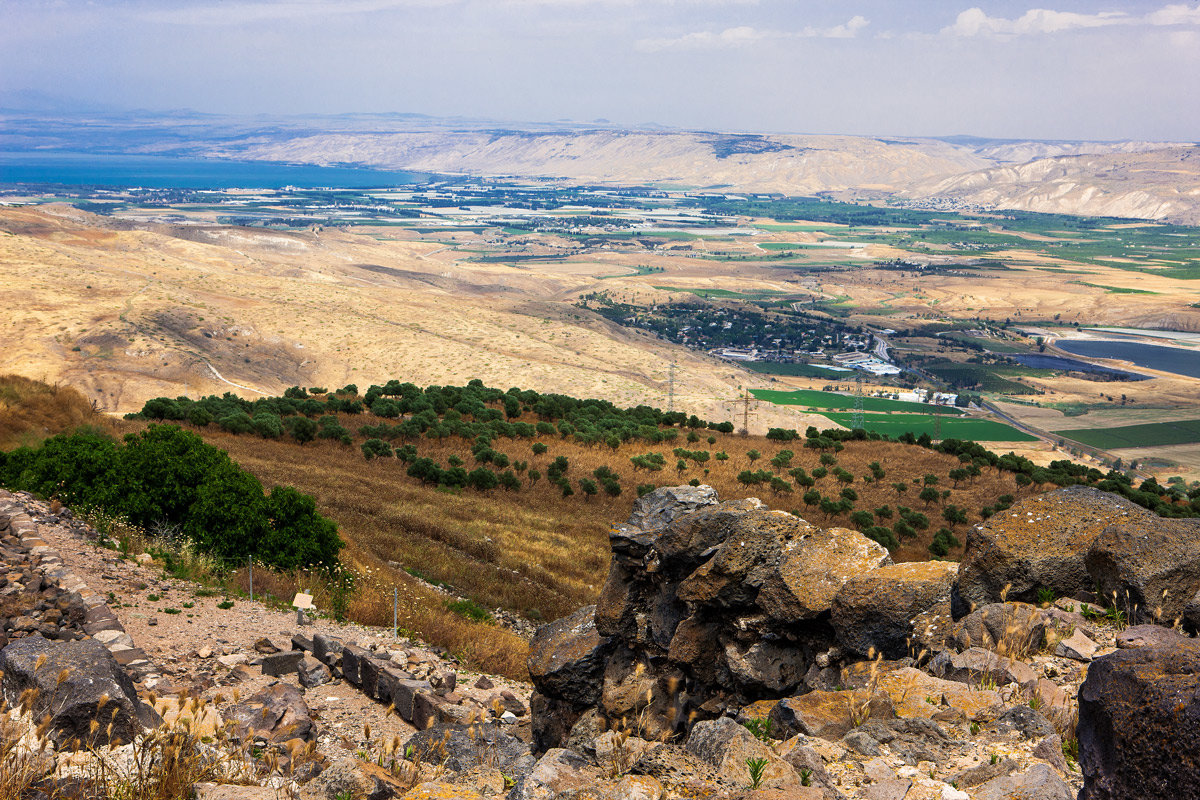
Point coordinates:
[[187, 646]]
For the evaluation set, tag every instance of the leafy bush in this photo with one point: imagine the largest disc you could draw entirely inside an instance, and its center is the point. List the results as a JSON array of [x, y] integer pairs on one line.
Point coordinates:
[[165, 475]]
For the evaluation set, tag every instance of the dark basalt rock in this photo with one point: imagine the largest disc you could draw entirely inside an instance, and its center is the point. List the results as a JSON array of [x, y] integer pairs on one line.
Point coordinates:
[[1139, 710], [76, 683]]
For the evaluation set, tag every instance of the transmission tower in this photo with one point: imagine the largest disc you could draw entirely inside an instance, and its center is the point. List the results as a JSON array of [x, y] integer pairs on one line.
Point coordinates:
[[745, 399], [857, 420], [937, 426]]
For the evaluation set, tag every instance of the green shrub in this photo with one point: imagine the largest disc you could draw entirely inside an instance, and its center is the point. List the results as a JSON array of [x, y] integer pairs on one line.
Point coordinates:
[[166, 475]]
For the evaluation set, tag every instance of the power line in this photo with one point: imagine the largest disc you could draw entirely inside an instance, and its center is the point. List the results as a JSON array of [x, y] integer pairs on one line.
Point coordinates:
[[671, 387]]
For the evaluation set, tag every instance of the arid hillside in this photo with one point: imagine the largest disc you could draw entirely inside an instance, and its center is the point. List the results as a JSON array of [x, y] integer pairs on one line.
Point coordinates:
[[1161, 184], [788, 164], [129, 314]]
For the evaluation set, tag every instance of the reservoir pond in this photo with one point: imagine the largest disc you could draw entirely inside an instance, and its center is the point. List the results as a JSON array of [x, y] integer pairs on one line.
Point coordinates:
[[1151, 356]]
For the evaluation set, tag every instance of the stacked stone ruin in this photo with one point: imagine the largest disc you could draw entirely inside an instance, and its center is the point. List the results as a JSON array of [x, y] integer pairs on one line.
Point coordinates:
[[715, 611]]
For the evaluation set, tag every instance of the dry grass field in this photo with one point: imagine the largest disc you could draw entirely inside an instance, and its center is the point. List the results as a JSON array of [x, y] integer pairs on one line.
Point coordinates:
[[532, 552], [539, 554]]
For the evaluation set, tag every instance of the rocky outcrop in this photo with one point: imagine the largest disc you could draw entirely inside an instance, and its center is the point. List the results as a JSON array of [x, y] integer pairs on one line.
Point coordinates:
[[707, 606], [1139, 710], [1041, 543], [1149, 571]]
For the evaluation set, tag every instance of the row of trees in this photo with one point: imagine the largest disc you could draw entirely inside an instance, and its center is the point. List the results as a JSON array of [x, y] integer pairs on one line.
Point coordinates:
[[433, 412]]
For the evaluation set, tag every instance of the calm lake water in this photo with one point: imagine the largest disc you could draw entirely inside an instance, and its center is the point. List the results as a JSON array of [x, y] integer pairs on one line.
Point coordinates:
[[1153, 356], [1042, 361], [162, 172]]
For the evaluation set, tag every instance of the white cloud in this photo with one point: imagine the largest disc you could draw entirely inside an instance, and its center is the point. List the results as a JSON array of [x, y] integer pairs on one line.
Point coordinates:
[[745, 35], [976, 22], [1176, 14]]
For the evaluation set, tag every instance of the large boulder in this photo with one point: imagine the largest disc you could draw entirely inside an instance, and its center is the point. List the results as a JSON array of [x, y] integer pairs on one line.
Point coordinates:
[[727, 746], [1139, 710], [772, 666], [829, 715], [566, 658], [566, 664], [641, 699], [75, 683], [461, 748], [277, 713], [874, 613], [1150, 569], [1040, 543], [977, 666], [1039, 782], [639, 601], [1009, 629], [658, 509], [557, 775], [918, 695], [786, 567]]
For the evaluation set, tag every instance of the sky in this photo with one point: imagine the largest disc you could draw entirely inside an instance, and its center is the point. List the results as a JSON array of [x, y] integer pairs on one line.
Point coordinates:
[[1076, 70]]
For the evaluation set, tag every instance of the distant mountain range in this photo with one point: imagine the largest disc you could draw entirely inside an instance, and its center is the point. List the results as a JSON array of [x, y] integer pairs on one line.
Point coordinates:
[[1151, 180]]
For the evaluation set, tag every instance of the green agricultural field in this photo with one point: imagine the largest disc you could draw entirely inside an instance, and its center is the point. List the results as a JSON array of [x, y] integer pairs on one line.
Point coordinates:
[[811, 398], [977, 430], [982, 377], [802, 246], [794, 227], [1115, 289], [994, 345], [1151, 434]]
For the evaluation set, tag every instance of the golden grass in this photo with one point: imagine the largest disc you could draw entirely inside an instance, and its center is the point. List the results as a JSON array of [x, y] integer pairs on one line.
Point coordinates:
[[31, 411], [534, 552]]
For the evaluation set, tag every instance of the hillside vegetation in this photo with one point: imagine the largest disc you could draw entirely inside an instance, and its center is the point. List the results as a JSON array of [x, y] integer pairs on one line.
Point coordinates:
[[462, 502], [507, 496]]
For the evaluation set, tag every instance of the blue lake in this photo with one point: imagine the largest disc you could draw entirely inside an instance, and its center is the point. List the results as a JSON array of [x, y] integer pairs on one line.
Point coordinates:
[[164, 172], [1152, 356], [1043, 361]]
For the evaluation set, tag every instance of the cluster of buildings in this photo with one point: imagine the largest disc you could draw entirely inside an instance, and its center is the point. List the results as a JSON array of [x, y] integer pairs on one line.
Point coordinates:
[[866, 362]]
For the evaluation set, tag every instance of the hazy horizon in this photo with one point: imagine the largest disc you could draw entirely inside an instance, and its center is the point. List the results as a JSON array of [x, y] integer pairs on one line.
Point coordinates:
[[1005, 70]]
